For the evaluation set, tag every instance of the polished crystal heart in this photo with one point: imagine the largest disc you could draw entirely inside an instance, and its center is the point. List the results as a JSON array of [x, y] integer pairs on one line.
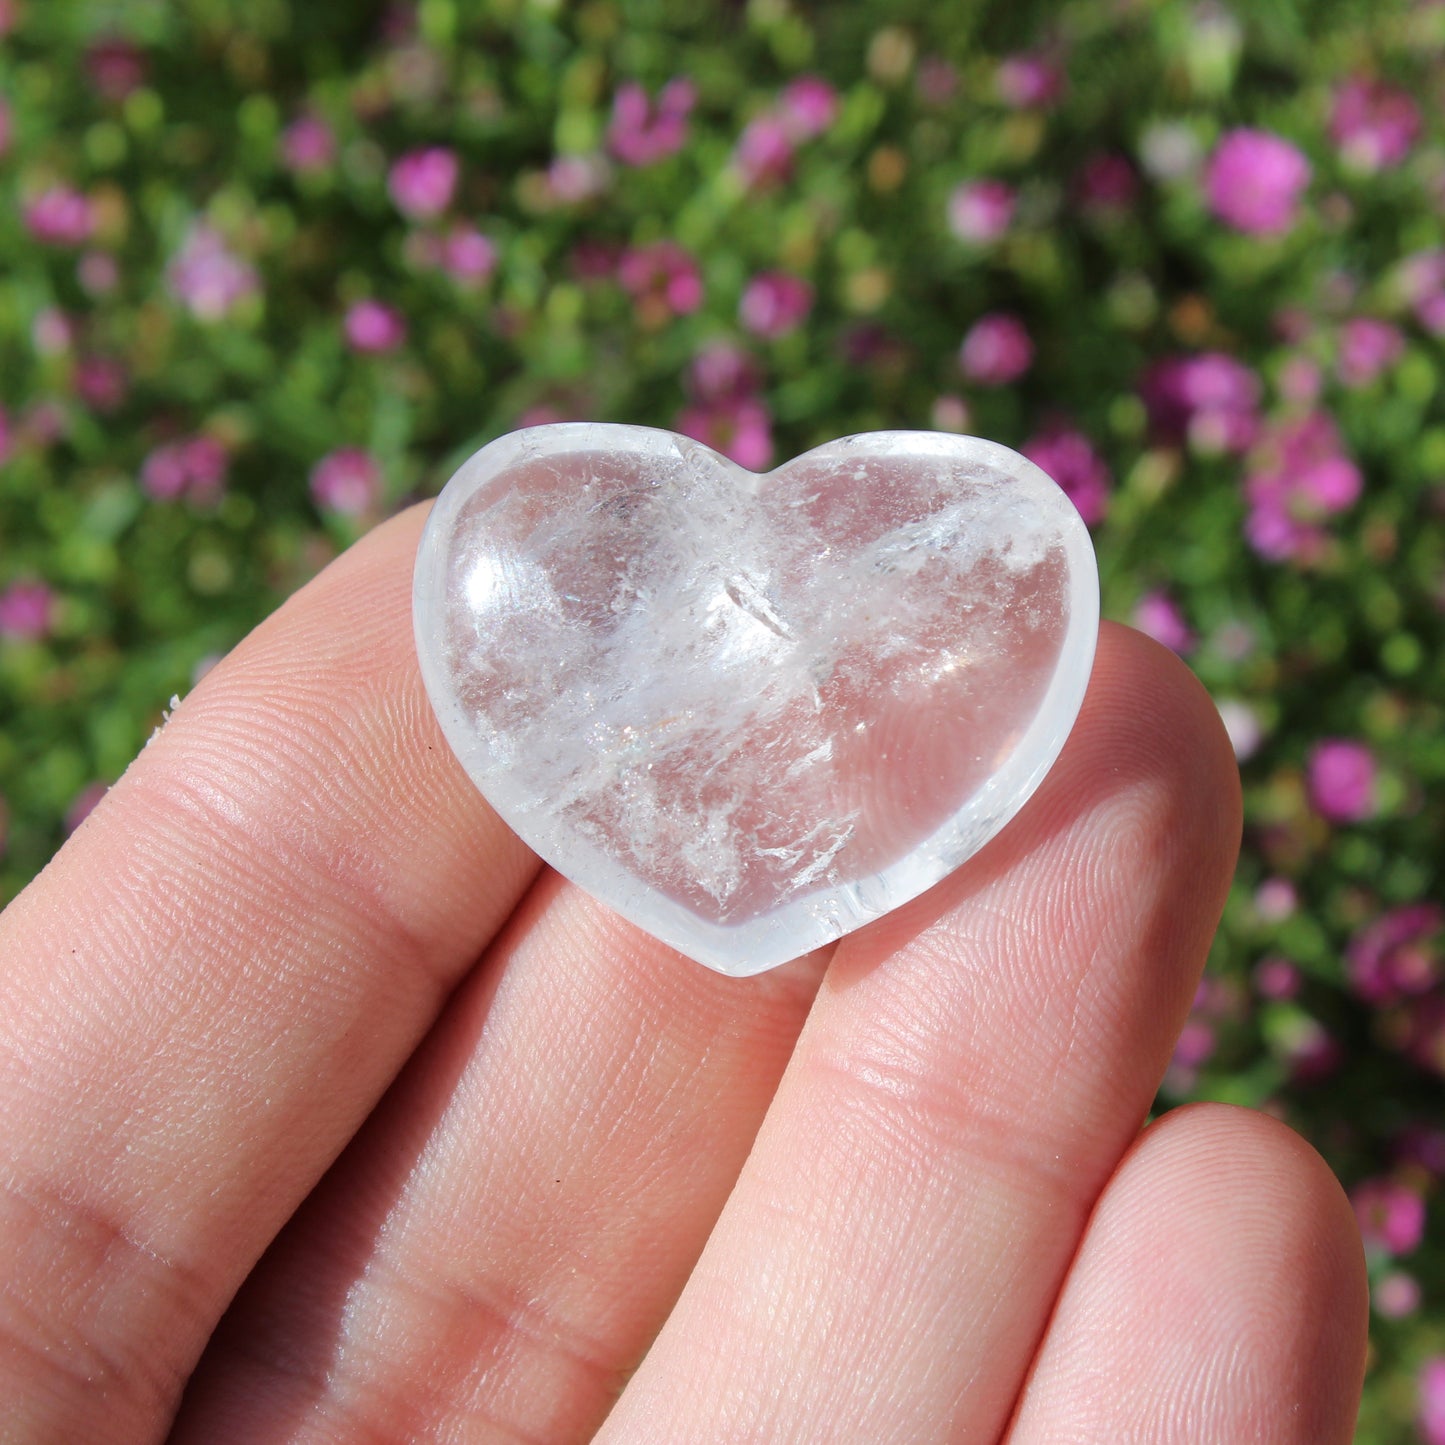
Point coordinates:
[[752, 713]]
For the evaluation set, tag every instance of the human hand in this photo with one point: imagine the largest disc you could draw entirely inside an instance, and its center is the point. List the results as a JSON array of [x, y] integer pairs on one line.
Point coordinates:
[[898, 1196]]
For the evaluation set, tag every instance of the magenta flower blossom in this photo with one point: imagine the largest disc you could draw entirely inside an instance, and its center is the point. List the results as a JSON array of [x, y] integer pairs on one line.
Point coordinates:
[[1396, 1295], [1341, 777], [981, 211], [1430, 1414], [807, 107], [1373, 124], [738, 427], [721, 369], [1399, 955], [1368, 348], [467, 256], [1069, 458], [194, 469], [996, 350], [60, 216], [1211, 400], [52, 333], [308, 145], [1254, 182], [662, 279], [373, 328], [101, 382], [775, 303], [1299, 478], [1157, 615], [1106, 185], [1391, 1216], [27, 611], [209, 278], [1029, 82], [571, 180], [950, 412], [1276, 899], [423, 182], [115, 67], [764, 153], [347, 481], [9, 15], [98, 272], [1301, 381], [1277, 978], [641, 132]]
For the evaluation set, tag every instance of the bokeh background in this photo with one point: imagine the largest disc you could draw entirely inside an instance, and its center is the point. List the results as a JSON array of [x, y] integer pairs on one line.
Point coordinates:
[[270, 268]]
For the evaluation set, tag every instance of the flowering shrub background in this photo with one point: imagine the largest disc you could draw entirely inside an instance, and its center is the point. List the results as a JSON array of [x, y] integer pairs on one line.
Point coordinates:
[[269, 270]]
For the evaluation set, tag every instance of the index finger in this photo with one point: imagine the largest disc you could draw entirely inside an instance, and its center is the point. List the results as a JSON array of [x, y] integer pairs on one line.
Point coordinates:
[[208, 989]]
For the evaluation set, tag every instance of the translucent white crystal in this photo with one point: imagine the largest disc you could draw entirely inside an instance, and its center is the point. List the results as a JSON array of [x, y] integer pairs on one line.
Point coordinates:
[[752, 713]]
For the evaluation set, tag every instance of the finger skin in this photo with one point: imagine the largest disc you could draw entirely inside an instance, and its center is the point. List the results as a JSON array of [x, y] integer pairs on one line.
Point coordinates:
[[208, 989], [971, 1073], [1219, 1294], [493, 1254]]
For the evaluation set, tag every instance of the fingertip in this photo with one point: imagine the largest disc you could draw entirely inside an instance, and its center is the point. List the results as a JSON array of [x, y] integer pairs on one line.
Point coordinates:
[[1219, 1293]]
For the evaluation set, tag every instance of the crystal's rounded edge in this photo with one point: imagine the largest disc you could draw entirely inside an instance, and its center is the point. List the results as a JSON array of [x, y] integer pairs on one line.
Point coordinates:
[[765, 943]]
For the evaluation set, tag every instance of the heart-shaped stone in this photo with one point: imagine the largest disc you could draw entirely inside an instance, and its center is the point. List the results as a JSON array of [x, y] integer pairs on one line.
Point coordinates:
[[752, 713]]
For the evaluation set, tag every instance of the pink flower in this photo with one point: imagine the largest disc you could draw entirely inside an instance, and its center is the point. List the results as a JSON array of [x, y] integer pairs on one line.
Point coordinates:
[[764, 153], [115, 67], [997, 350], [1301, 381], [1254, 181], [467, 256], [774, 303], [738, 427], [208, 277], [27, 611], [347, 481], [1107, 184], [373, 328], [98, 272], [194, 468], [1342, 780], [1374, 125], [1396, 1295], [572, 180], [642, 133], [1368, 348], [308, 145], [52, 333], [1276, 899], [422, 182], [720, 370], [1277, 978], [101, 382], [1210, 399], [1299, 478], [807, 107], [981, 211], [1070, 459], [1157, 615], [662, 279], [9, 17], [950, 412], [1398, 956], [936, 81], [1431, 1383], [1391, 1217], [1028, 82], [60, 216]]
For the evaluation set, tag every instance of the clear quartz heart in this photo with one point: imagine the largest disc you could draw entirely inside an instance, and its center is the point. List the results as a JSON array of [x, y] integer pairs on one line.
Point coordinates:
[[752, 713]]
